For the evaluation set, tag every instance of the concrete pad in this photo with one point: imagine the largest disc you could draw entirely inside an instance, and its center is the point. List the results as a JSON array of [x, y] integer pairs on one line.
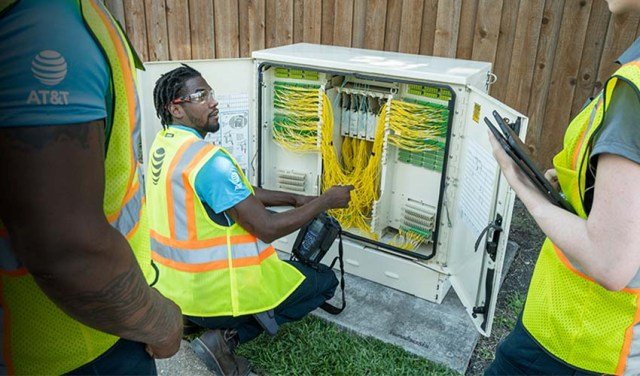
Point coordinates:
[[442, 333], [184, 362]]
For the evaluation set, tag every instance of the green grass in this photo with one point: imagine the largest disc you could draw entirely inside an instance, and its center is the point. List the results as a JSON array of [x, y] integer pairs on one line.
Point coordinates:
[[315, 347], [515, 301]]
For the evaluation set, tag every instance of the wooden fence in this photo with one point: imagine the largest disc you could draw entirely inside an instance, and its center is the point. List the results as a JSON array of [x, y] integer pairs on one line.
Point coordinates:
[[549, 56]]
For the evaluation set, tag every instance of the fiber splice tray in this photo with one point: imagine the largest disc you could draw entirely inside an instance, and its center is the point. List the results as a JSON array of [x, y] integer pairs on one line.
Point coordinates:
[[434, 211]]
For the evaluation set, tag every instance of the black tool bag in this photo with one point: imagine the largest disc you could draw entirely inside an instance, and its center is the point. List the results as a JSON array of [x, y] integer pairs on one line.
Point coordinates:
[[313, 242]]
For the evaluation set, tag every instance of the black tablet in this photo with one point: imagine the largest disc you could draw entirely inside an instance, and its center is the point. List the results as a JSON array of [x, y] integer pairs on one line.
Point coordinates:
[[516, 149]]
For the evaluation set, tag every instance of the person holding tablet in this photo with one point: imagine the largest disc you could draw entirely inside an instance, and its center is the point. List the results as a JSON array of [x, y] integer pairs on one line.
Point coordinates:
[[582, 311]]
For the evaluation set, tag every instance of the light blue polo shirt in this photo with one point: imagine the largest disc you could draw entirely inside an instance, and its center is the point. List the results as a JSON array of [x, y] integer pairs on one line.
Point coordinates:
[[52, 72], [218, 184]]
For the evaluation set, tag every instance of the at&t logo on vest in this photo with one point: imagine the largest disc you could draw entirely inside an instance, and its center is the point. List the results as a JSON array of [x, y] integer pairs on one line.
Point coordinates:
[[49, 68]]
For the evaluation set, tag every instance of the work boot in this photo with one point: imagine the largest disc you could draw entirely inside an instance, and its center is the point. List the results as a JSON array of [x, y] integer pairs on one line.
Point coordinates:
[[216, 349]]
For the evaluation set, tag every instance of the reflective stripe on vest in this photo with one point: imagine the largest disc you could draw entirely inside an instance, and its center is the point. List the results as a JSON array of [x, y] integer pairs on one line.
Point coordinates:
[[205, 268], [38, 337], [128, 218], [189, 154], [213, 257], [567, 312]]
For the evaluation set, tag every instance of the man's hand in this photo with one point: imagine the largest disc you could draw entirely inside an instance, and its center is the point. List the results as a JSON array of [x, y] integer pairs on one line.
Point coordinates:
[[168, 346], [338, 196], [253, 217]]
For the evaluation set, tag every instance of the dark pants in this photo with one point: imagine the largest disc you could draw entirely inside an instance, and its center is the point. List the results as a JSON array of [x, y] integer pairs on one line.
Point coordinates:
[[519, 354], [124, 358], [318, 287]]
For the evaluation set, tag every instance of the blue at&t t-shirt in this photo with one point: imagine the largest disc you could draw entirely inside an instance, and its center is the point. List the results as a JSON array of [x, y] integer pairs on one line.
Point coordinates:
[[52, 71]]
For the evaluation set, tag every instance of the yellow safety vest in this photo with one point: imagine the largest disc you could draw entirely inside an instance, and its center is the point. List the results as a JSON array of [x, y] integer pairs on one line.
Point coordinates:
[[39, 338], [567, 312], [207, 269]]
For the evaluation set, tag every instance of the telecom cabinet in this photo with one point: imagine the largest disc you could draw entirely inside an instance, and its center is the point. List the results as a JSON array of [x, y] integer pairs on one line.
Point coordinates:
[[430, 209]]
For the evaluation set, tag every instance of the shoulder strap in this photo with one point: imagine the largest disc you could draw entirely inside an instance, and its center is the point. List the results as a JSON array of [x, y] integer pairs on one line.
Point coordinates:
[[329, 307]]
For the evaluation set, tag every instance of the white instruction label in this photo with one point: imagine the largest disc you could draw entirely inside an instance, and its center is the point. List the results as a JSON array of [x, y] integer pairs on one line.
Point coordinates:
[[477, 187], [234, 126]]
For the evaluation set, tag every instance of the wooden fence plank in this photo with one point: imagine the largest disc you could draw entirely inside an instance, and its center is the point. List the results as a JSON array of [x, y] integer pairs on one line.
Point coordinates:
[[284, 22], [375, 24], [256, 21], [202, 30], [548, 55], [428, 34], [312, 23], [392, 29], [178, 30], [156, 17], [447, 26], [467, 27], [298, 19], [593, 46], [116, 8], [506, 40], [359, 22], [564, 78], [136, 27], [620, 35], [243, 28], [487, 31], [343, 15], [225, 13], [543, 68], [411, 26], [524, 53], [270, 23], [328, 20]]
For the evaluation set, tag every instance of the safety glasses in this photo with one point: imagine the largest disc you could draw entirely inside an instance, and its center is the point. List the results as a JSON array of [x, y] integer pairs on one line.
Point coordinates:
[[199, 97]]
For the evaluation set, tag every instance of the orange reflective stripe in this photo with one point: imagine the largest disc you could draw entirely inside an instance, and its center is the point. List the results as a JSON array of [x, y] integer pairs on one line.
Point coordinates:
[[128, 197], [15, 273], [570, 266], [172, 167], [186, 244], [214, 265], [255, 260], [567, 263], [135, 228], [191, 268], [628, 339], [189, 193], [576, 151], [125, 68]]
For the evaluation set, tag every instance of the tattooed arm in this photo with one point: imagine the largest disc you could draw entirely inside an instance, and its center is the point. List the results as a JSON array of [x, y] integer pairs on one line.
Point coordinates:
[[51, 202]]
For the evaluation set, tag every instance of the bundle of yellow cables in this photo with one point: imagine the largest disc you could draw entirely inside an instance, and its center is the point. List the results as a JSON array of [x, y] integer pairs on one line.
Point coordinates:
[[417, 127], [407, 240], [361, 168], [295, 120]]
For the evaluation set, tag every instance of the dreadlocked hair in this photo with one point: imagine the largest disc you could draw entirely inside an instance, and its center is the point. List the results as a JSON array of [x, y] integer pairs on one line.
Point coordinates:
[[169, 87]]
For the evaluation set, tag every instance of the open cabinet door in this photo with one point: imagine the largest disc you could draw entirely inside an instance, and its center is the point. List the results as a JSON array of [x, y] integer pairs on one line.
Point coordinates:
[[478, 203], [233, 81]]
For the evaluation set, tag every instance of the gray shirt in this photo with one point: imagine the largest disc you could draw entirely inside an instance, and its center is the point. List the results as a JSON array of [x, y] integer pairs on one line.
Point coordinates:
[[620, 131]]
